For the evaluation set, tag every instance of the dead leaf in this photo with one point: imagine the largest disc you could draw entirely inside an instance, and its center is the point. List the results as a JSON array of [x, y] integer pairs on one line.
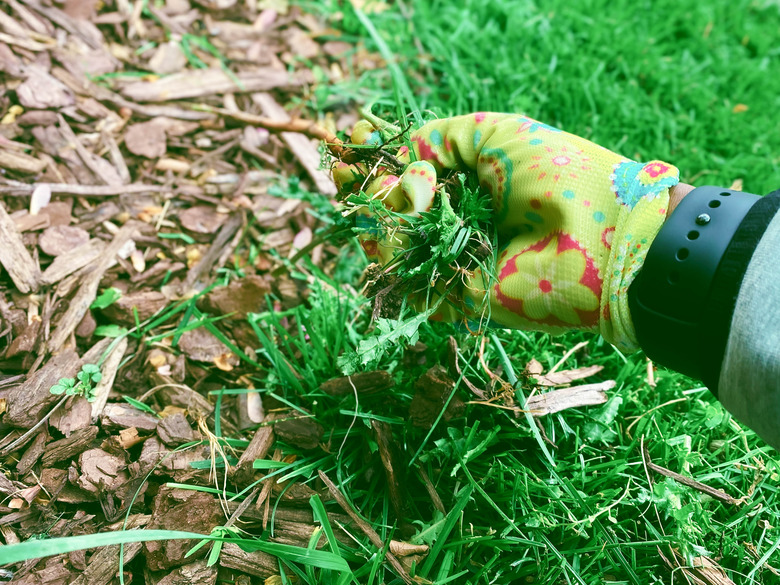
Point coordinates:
[[60, 239], [202, 346], [534, 367], [405, 549], [202, 219], [225, 361], [41, 91], [147, 139], [736, 185], [167, 59], [101, 468], [566, 376]]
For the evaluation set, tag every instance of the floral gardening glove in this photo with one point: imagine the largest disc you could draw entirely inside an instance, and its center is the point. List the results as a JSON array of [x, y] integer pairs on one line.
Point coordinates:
[[574, 220]]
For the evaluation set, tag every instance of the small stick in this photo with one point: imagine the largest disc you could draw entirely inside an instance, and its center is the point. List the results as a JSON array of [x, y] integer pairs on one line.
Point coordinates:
[[15, 188], [311, 129], [365, 527], [242, 507], [431, 489], [691, 483], [566, 356]]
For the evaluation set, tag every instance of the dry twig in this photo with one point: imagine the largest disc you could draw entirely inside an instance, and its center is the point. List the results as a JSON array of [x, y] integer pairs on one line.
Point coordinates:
[[365, 527]]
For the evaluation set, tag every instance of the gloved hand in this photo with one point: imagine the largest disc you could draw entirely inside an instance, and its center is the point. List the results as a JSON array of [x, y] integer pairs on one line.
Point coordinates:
[[574, 220]]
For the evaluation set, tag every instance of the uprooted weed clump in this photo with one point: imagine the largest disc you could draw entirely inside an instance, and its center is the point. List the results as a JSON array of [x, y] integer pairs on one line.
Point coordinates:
[[442, 248]]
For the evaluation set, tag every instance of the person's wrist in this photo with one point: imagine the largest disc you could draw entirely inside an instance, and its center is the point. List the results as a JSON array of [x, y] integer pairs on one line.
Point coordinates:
[[683, 298], [676, 194]]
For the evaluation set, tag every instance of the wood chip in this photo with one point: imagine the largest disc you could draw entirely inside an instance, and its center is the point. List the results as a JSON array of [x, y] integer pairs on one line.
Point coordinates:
[[123, 416], [175, 430], [147, 139], [72, 261], [88, 290], [575, 397], [28, 402], [168, 59], [69, 447], [221, 246], [74, 415], [300, 431], [104, 562], [364, 383], [431, 392], [25, 342], [197, 83], [258, 448], [197, 573], [41, 91], [16, 160], [202, 219], [34, 451], [22, 269], [16, 188], [394, 471], [177, 509], [144, 304], [256, 563]]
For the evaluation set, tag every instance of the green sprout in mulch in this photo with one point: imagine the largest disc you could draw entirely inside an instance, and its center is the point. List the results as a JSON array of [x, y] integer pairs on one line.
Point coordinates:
[[82, 385]]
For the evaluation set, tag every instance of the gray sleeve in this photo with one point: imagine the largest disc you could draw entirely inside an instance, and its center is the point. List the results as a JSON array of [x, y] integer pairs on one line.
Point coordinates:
[[749, 385]]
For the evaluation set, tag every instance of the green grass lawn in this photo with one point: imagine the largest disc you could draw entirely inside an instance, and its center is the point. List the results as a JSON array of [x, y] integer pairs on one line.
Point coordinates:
[[693, 83], [567, 498]]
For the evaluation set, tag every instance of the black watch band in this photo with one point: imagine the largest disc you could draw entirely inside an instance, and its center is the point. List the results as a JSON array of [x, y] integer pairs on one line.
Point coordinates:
[[682, 300]]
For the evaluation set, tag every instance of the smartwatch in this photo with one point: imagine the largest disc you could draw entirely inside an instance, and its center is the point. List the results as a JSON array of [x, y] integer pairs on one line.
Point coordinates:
[[683, 298]]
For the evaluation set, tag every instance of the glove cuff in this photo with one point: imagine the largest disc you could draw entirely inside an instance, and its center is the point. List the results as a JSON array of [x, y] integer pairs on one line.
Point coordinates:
[[642, 189]]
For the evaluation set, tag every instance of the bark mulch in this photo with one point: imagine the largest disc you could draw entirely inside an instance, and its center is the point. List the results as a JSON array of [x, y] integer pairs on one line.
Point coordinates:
[[129, 161]]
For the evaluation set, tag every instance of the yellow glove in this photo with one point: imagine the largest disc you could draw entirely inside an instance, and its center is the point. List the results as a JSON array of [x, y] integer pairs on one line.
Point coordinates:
[[574, 220]]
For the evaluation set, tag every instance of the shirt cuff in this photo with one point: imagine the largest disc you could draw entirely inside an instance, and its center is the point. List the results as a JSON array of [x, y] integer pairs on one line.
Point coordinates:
[[749, 381]]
